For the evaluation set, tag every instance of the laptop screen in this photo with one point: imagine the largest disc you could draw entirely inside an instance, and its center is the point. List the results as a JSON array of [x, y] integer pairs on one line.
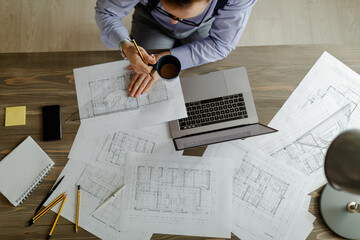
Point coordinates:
[[221, 135]]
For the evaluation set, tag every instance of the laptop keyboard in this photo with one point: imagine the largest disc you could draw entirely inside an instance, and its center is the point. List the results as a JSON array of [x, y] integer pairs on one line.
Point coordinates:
[[215, 110]]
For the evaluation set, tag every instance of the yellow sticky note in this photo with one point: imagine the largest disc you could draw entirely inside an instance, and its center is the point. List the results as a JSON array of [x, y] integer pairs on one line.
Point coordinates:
[[15, 116]]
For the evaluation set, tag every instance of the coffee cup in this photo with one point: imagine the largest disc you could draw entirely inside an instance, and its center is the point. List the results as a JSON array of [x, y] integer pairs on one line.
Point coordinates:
[[168, 67]]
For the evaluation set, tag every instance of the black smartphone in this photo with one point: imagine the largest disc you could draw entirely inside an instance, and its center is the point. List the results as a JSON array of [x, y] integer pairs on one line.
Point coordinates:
[[51, 117]]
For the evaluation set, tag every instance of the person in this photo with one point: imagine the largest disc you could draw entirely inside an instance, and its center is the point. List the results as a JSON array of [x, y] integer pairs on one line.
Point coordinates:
[[194, 31]]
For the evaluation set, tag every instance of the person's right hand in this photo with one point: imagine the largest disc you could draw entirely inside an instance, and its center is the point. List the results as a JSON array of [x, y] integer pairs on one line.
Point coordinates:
[[135, 60]]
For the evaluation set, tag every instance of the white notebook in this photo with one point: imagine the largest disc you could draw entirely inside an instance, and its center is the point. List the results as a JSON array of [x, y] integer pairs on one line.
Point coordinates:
[[22, 170]]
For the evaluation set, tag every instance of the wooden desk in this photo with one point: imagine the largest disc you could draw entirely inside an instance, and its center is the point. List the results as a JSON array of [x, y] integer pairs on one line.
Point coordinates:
[[38, 79]]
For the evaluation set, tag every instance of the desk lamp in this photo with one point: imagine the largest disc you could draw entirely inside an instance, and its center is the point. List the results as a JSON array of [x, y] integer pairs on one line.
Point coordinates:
[[341, 210]]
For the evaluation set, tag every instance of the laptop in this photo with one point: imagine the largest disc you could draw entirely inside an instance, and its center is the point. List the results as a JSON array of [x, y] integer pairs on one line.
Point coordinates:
[[220, 108]]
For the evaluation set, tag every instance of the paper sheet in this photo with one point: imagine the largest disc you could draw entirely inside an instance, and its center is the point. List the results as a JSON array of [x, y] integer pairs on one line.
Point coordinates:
[[103, 98], [97, 163], [110, 147], [303, 137], [177, 195], [15, 116], [267, 195], [97, 183], [327, 78], [302, 226]]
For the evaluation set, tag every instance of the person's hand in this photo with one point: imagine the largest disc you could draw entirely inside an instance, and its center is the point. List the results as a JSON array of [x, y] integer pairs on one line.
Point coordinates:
[[136, 61], [141, 82]]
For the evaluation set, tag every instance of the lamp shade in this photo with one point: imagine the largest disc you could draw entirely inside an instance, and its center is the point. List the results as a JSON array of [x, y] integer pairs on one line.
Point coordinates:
[[342, 162]]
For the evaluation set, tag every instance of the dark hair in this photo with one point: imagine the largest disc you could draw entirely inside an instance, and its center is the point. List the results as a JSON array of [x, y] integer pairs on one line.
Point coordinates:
[[181, 3]]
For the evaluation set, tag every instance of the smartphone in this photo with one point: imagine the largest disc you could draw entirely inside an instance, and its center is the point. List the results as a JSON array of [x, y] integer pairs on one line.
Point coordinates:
[[51, 117]]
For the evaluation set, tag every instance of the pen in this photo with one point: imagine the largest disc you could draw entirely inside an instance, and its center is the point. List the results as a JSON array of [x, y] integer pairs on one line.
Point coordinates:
[[45, 210], [109, 199], [77, 209], [138, 50], [49, 194], [57, 217]]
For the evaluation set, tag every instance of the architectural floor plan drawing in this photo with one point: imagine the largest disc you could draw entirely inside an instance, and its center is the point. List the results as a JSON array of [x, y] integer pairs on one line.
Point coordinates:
[[258, 188], [101, 184], [328, 78], [97, 183], [110, 95], [103, 98], [267, 195], [178, 195], [173, 190], [116, 145], [344, 95], [307, 153]]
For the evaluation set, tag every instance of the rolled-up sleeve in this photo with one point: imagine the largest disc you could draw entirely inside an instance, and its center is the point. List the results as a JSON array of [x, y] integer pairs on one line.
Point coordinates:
[[108, 16], [224, 35]]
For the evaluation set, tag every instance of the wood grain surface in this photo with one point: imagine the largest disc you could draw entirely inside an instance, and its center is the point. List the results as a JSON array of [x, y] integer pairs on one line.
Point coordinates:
[[68, 25], [38, 79]]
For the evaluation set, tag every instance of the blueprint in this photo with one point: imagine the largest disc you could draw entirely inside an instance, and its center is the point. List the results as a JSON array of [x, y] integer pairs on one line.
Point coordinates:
[[303, 137], [267, 195], [103, 98], [327, 78], [324, 104], [307, 152], [97, 183], [110, 148], [177, 195], [97, 164]]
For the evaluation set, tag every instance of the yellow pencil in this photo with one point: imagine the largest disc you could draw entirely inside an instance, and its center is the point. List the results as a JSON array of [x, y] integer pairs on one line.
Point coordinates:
[[46, 209], [142, 57], [50, 207], [57, 217], [77, 209]]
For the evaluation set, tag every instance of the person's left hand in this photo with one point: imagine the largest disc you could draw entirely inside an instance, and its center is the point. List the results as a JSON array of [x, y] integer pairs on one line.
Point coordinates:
[[141, 83]]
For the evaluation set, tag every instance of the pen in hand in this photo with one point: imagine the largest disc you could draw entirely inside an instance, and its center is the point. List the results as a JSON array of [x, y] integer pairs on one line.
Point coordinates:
[[142, 57]]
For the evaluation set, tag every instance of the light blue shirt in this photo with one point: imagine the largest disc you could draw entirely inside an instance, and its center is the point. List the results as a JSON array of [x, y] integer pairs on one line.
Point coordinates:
[[223, 36]]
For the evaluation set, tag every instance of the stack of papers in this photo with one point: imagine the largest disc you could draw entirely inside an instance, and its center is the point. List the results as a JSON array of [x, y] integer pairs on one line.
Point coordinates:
[[255, 188], [324, 104]]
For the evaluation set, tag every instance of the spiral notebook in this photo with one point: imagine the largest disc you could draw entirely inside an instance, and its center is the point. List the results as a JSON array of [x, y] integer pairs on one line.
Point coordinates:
[[22, 170]]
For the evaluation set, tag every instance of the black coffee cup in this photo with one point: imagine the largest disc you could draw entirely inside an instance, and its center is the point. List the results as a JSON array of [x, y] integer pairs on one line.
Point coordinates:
[[168, 67]]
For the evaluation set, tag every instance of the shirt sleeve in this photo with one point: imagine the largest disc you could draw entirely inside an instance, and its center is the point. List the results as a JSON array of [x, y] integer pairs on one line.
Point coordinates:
[[223, 37], [108, 16]]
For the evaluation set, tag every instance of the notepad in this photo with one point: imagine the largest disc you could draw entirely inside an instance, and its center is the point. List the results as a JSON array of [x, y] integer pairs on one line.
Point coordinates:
[[22, 170], [15, 116]]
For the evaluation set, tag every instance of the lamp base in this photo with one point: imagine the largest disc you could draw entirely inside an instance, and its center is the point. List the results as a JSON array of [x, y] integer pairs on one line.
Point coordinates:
[[333, 211]]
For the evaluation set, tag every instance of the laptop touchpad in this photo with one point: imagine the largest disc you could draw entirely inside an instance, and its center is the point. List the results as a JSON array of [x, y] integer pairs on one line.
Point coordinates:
[[204, 87]]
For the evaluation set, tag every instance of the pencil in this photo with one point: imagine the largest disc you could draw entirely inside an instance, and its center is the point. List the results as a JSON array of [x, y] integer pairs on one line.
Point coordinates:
[[48, 195], [142, 57], [46, 209], [57, 217], [109, 199], [77, 209]]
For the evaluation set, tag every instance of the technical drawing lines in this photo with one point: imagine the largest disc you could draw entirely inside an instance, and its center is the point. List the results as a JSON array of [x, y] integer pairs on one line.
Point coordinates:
[[258, 189], [307, 153], [109, 215], [118, 144], [173, 190], [343, 95], [98, 182], [110, 95]]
